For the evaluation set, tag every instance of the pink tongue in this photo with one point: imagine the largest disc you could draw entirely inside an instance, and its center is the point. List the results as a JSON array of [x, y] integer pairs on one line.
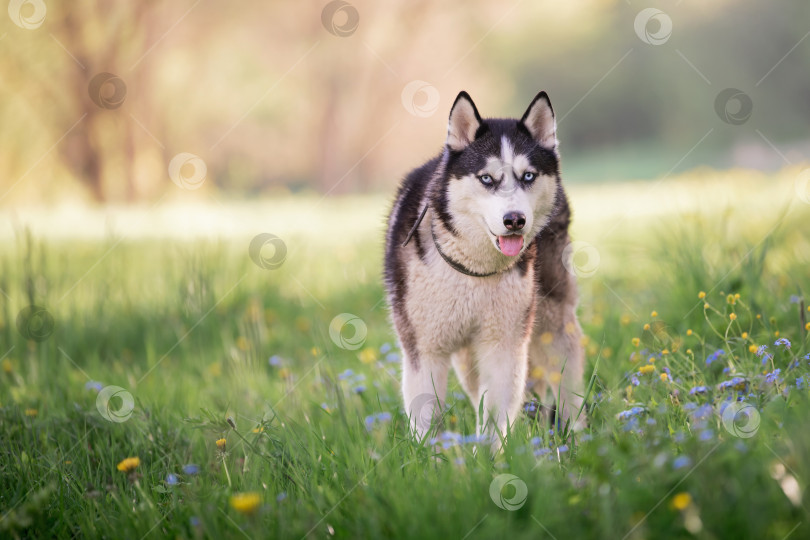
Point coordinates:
[[510, 245]]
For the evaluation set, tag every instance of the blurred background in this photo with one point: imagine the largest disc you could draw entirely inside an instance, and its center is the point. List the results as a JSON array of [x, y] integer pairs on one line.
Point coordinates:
[[128, 102]]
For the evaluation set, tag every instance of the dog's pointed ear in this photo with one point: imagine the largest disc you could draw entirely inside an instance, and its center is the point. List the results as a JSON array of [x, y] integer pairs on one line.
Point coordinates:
[[464, 122], [540, 122]]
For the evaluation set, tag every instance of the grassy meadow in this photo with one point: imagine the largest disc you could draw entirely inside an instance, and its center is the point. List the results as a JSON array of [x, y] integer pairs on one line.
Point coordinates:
[[249, 418]]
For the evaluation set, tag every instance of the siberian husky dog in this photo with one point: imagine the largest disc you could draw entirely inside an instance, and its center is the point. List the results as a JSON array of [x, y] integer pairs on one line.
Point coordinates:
[[475, 275]]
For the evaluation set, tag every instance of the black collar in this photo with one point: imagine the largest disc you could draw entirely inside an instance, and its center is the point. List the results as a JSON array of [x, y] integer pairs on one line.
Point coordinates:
[[457, 266]]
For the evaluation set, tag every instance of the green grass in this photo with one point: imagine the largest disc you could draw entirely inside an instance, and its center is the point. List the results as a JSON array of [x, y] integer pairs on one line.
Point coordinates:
[[188, 327]]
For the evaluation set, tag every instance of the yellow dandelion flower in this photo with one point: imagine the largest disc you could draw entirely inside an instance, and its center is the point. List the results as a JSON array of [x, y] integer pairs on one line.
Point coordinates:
[[636, 342], [665, 352], [732, 316], [806, 327], [570, 328], [706, 306], [625, 320], [646, 327], [759, 316], [245, 503], [537, 373], [585, 340], [242, 343], [221, 443], [651, 360], [664, 377], [730, 299], [258, 429], [646, 370], [284, 373], [681, 501], [776, 334], [315, 351], [737, 296], [752, 348], [368, 355], [654, 314], [554, 377], [8, 367], [31, 412], [701, 295], [689, 332], [546, 338], [129, 464], [744, 335], [689, 351]]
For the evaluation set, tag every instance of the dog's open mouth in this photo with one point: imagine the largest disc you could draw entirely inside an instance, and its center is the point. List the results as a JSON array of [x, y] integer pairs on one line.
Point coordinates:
[[510, 245]]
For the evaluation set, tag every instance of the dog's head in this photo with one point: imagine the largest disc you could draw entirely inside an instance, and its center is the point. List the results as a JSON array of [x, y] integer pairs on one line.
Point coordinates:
[[501, 175]]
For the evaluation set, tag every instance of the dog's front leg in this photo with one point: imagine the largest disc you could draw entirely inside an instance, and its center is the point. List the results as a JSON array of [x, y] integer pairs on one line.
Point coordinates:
[[502, 369], [424, 386]]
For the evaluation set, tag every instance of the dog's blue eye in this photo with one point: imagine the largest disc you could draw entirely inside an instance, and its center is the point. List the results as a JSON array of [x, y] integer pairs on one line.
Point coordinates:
[[529, 176], [485, 179]]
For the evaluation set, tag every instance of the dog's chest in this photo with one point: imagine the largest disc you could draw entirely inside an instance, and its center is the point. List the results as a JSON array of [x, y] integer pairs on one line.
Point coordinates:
[[450, 309]]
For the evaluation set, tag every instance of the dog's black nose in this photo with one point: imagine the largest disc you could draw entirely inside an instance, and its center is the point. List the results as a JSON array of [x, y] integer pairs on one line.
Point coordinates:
[[514, 221]]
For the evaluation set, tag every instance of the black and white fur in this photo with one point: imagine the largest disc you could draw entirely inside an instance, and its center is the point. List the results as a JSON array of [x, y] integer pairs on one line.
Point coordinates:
[[461, 294]]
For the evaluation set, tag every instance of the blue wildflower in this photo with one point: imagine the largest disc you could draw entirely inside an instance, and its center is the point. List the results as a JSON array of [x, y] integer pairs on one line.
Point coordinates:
[[392, 357], [194, 521], [274, 360], [191, 469], [767, 357], [698, 390], [93, 385], [704, 411], [536, 441], [800, 382], [385, 349], [345, 375], [359, 389], [281, 496], [712, 357], [634, 381], [785, 342], [171, 479], [772, 376], [690, 406], [680, 462], [651, 421], [630, 413], [706, 435], [378, 418], [761, 350], [562, 448], [542, 452]]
